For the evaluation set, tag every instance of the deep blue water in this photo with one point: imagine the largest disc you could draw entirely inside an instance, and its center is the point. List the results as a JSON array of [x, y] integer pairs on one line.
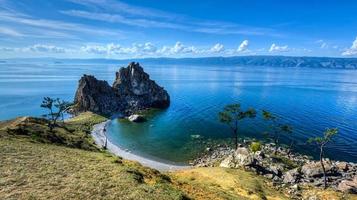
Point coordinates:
[[308, 99]]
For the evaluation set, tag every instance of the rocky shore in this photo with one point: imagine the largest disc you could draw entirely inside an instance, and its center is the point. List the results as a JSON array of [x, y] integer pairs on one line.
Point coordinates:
[[284, 168]]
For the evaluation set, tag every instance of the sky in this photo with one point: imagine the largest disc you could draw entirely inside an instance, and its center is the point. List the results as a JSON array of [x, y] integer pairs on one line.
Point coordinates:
[[120, 29]]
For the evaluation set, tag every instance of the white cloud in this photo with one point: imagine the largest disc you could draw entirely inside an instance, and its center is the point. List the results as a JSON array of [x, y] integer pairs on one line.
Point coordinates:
[[178, 48], [276, 48], [323, 44], [243, 46], [352, 51], [45, 49], [217, 48], [9, 32], [116, 49]]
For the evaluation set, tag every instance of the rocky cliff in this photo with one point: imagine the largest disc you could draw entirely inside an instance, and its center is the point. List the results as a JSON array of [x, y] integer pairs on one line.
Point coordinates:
[[132, 90], [138, 90]]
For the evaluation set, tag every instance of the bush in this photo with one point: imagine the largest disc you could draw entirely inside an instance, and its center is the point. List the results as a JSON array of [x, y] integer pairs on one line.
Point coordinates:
[[255, 146]]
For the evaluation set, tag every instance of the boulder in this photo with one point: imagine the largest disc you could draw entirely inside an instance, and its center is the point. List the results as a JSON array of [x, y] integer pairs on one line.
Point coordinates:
[[314, 169], [348, 186], [342, 166], [292, 176], [136, 118], [240, 158], [228, 162], [132, 90]]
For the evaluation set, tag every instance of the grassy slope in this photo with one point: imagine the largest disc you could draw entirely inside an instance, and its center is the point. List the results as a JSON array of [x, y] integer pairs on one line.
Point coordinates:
[[38, 164]]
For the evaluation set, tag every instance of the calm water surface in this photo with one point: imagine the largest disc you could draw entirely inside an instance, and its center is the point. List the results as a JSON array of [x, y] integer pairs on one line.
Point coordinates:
[[308, 99]]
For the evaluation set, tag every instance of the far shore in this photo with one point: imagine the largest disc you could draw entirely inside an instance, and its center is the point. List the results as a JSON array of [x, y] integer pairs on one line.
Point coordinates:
[[98, 134]]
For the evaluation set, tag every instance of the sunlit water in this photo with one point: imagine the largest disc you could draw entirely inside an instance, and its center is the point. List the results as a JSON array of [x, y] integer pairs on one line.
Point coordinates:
[[308, 99]]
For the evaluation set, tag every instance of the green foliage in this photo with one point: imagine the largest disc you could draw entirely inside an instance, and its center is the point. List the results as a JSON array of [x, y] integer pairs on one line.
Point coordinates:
[[276, 128], [53, 115], [232, 114], [255, 146], [328, 134], [321, 142]]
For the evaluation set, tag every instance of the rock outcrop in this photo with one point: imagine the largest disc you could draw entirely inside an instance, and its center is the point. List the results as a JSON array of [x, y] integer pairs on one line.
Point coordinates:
[[132, 90], [97, 96], [138, 90], [285, 168]]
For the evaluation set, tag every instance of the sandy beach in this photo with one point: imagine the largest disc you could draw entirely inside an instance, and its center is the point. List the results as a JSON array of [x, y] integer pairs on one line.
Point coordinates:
[[98, 135]]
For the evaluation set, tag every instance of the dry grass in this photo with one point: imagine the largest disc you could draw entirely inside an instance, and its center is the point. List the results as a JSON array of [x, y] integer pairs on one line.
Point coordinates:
[[31, 170], [221, 183], [36, 163]]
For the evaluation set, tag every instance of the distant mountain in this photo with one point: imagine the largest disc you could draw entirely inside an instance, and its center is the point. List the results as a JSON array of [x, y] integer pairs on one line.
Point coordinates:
[[271, 61]]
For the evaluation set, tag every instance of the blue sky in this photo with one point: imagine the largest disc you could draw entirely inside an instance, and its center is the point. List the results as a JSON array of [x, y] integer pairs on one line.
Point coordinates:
[[177, 28]]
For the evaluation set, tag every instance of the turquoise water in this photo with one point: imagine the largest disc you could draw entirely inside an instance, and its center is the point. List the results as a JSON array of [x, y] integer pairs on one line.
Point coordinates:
[[308, 99]]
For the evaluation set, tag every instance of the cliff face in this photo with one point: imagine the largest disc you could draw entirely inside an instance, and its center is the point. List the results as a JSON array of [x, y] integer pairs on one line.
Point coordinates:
[[132, 90], [96, 96], [138, 90]]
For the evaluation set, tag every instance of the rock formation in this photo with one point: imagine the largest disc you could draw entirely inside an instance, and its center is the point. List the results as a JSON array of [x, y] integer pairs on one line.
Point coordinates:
[[138, 90], [132, 90], [96, 96]]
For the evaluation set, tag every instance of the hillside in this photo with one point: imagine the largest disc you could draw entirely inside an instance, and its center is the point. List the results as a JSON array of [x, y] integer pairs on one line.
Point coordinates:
[[36, 165]]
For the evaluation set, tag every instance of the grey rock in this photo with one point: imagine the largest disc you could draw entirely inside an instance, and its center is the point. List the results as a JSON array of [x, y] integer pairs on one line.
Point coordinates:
[[292, 176], [96, 96], [314, 169], [136, 118], [138, 90], [348, 186], [132, 90]]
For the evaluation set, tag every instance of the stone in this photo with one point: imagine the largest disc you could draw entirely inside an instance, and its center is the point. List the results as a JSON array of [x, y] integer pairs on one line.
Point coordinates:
[[295, 187], [292, 176], [348, 186], [228, 162], [342, 166], [132, 90], [314, 169], [242, 156], [136, 118]]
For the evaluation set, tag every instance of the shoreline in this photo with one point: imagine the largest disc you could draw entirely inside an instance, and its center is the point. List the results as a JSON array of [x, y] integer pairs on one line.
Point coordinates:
[[98, 135]]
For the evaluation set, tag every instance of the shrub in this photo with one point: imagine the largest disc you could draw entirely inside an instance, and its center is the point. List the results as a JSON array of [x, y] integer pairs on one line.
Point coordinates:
[[255, 146]]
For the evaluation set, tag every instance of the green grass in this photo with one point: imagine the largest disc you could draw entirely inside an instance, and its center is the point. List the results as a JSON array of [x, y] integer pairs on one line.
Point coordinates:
[[73, 133]]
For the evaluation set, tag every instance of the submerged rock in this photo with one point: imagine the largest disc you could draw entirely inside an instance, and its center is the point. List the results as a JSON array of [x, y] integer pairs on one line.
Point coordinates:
[[132, 90], [136, 118]]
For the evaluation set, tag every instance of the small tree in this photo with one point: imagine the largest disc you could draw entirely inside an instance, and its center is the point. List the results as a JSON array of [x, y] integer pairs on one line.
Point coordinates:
[[232, 114], [277, 128], [321, 142], [50, 104]]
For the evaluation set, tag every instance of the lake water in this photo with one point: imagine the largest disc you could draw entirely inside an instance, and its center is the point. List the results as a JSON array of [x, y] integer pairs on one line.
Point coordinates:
[[308, 99]]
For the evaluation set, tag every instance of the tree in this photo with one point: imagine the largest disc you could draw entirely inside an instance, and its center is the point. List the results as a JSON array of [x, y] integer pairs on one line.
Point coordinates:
[[232, 114], [50, 104], [277, 128], [321, 142]]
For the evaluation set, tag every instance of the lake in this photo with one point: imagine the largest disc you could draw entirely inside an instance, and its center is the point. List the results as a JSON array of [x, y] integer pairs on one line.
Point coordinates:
[[308, 99]]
